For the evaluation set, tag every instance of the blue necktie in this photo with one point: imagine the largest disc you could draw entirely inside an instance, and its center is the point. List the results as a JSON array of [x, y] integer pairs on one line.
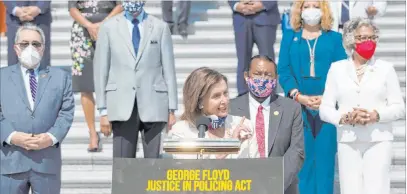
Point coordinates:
[[33, 84], [345, 12], [135, 35]]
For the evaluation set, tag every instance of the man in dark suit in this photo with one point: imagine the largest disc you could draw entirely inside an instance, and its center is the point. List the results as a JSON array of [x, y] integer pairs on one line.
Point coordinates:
[[277, 121], [37, 12], [36, 111], [253, 22]]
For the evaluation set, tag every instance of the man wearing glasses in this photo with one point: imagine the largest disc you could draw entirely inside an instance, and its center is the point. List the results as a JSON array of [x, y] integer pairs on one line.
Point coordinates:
[[19, 12], [36, 112]]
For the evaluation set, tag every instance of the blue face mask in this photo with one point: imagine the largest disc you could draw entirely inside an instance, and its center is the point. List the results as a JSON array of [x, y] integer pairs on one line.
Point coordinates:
[[132, 7], [217, 122]]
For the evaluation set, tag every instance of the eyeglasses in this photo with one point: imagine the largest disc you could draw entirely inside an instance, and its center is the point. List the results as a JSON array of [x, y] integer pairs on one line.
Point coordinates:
[[365, 38], [35, 44]]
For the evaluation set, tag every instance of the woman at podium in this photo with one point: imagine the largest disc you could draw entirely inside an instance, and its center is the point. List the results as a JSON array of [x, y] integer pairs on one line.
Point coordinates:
[[206, 93]]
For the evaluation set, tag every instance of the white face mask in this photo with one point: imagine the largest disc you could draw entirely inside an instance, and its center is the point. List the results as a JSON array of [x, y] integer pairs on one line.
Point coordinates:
[[30, 57], [311, 16]]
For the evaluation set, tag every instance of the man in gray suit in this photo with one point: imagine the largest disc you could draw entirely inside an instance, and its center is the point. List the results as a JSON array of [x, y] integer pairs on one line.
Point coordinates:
[[277, 120], [184, 8], [135, 81], [37, 12], [36, 112]]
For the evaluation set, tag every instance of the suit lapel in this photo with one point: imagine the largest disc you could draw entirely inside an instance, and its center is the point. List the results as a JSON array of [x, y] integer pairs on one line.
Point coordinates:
[[126, 36], [276, 112], [18, 80], [43, 78], [244, 108], [147, 31]]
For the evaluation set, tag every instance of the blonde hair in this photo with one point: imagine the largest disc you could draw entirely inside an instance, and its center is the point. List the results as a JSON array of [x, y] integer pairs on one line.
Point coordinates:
[[196, 87], [296, 10]]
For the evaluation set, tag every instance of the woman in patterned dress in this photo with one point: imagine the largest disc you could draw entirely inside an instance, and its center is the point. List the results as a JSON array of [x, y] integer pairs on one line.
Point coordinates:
[[87, 15]]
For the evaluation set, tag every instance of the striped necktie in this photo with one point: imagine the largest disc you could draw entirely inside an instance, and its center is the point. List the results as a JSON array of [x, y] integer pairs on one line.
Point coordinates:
[[33, 84]]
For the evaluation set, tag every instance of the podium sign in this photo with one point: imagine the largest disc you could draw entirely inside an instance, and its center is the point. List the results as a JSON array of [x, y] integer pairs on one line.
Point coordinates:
[[162, 176]]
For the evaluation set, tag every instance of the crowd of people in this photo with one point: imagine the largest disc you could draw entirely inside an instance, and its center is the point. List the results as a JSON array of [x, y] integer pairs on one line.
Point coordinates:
[[339, 98]]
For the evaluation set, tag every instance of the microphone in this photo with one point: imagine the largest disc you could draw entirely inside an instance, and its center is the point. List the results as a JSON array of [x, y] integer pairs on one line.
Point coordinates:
[[202, 124]]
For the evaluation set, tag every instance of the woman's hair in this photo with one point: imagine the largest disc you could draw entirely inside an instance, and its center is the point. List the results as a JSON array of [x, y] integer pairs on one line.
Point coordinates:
[[196, 87], [349, 30], [296, 20]]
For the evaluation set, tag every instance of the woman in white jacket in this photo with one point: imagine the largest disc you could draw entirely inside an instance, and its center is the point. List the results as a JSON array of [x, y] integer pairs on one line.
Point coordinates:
[[362, 97]]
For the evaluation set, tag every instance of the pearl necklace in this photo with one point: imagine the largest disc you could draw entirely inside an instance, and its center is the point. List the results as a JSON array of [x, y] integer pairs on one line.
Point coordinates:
[[361, 70]]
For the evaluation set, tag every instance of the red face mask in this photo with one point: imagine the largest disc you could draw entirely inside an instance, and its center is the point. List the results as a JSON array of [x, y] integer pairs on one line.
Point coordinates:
[[366, 49]]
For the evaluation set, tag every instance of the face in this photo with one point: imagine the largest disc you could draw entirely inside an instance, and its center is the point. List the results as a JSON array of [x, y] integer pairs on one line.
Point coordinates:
[[260, 68], [133, 7], [310, 4], [216, 101], [27, 38], [365, 33]]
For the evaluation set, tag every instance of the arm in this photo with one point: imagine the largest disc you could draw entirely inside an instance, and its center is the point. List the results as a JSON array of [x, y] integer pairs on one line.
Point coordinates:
[[269, 5], [395, 108], [66, 113], [77, 15], [380, 7], [167, 60], [10, 7], [118, 9], [232, 5], [101, 67], [327, 109], [340, 52], [286, 76], [294, 156], [7, 129]]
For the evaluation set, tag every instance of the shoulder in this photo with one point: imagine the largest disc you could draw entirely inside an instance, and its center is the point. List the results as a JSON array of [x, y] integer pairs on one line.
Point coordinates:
[[59, 72], [238, 99], [384, 66], [156, 22], [335, 36], [109, 22], [339, 65], [288, 104], [179, 128], [6, 70]]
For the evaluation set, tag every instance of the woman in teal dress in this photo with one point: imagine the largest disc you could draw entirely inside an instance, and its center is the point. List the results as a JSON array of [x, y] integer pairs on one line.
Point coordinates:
[[306, 55]]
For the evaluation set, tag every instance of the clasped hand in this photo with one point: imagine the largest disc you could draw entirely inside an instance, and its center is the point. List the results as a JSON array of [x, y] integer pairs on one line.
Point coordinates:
[[312, 102], [248, 7], [27, 13], [359, 116], [29, 142]]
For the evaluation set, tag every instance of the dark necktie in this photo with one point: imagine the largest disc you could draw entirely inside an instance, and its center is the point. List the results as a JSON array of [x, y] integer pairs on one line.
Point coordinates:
[[260, 134], [33, 84], [345, 12], [135, 36]]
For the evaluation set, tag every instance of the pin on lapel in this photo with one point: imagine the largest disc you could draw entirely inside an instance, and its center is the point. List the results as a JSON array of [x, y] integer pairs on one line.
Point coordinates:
[[43, 75], [276, 113], [295, 38]]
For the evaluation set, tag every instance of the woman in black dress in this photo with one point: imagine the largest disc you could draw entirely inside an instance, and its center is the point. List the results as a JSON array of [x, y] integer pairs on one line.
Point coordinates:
[[87, 15]]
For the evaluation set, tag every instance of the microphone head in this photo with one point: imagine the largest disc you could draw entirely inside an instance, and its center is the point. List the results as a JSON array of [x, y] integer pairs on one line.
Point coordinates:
[[202, 120]]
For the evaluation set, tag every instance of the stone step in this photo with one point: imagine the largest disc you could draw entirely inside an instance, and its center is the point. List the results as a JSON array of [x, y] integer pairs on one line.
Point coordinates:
[[102, 179], [213, 37], [224, 65], [225, 51], [226, 24]]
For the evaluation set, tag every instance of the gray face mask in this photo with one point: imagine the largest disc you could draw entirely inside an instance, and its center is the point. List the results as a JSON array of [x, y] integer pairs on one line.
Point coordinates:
[[29, 57], [311, 16]]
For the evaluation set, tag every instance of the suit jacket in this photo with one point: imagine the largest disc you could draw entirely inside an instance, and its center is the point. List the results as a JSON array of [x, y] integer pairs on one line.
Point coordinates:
[[44, 17], [379, 90], [286, 138], [269, 16], [121, 77], [53, 113], [357, 8]]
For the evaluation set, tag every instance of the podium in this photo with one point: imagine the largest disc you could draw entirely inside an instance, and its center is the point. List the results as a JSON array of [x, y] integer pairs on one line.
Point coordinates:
[[201, 146]]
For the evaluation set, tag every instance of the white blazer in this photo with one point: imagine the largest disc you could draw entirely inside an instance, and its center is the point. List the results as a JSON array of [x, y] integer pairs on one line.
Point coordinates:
[[379, 90], [357, 8], [182, 129]]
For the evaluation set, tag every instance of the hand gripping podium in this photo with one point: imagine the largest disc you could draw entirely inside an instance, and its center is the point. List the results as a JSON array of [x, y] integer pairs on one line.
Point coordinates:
[[201, 146]]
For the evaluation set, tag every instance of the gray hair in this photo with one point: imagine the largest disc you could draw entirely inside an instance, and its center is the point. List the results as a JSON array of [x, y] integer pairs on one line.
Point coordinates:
[[349, 31], [30, 26]]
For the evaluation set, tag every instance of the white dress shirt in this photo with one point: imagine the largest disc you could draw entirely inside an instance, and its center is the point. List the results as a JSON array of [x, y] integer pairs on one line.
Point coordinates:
[[182, 129], [379, 90], [26, 79], [254, 105]]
